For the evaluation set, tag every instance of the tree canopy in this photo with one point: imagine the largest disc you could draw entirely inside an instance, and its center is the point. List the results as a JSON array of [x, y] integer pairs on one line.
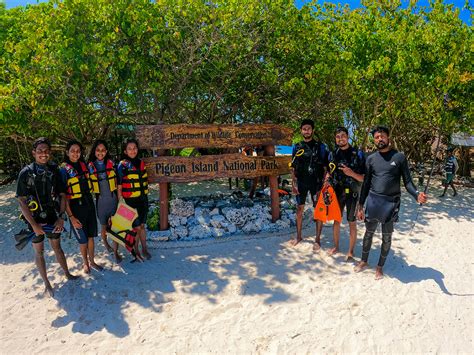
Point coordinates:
[[77, 68]]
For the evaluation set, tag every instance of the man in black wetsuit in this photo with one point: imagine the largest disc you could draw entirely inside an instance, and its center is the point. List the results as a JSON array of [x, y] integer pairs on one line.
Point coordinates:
[[381, 193], [39, 183], [310, 159], [347, 181]]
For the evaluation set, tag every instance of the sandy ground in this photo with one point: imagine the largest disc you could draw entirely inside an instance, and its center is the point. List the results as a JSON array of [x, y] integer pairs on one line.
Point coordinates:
[[251, 294]]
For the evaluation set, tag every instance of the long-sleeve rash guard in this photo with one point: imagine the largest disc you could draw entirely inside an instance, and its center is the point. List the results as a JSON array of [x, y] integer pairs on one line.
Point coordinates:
[[383, 172]]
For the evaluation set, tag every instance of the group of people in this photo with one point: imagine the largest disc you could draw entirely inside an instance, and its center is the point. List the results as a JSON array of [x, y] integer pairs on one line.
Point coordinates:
[[81, 192], [373, 182], [86, 191]]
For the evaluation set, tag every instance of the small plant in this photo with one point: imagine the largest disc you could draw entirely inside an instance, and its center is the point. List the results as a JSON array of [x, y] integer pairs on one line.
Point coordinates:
[[153, 220]]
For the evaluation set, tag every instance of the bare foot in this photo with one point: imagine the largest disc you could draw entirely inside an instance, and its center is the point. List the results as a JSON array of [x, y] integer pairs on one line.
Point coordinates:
[[118, 258], [72, 277], [294, 242], [108, 247], [316, 247], [378, 273], [146, 254], [349, 258], [360, 266], [333, 251], [49, 290], [86, 269], [96, 266]]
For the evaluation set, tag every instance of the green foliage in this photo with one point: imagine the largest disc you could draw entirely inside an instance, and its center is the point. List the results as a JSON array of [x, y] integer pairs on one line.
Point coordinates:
[[77, 69], [153, 220]]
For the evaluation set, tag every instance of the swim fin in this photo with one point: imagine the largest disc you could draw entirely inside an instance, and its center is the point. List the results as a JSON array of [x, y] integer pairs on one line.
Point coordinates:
[[23, 238]]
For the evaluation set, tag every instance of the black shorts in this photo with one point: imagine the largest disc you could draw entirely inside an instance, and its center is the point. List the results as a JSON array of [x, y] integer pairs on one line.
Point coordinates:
[[303, 190], [347, 199], [50, 219], [85, 213], [141, 205], [40, 238]]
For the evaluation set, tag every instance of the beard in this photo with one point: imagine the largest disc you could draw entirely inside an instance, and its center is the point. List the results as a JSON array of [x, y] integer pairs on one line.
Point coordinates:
[[382, 145]]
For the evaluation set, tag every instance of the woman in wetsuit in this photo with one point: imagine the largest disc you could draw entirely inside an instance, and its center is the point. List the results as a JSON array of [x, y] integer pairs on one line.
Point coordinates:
[[79, 202], [104, 185], [133, 188]]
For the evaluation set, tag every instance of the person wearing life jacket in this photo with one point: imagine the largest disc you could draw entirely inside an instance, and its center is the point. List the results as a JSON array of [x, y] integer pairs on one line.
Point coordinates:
[[80, 204], [103, 177], [309, 165], [133, 188], [40, 182], [450, 168], [347, 181], [380, 193]]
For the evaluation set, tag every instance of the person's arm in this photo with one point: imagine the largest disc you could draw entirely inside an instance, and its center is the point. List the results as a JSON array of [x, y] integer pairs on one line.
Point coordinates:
[[351, 173], [456, 166], [420, 197]]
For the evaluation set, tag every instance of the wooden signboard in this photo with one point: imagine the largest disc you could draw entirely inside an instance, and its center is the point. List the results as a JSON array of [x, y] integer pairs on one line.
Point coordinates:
[[185, 169], [212, 136]]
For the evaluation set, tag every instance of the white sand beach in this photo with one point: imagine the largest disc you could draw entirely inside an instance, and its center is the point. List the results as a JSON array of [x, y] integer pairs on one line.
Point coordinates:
[[251, 294]]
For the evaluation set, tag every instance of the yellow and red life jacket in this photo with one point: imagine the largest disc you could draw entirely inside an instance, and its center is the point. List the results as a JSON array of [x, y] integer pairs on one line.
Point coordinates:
[[134, 181], [111, 176], [73, 180]]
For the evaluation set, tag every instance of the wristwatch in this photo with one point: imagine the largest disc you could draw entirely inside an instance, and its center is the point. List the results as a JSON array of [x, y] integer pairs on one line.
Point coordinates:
[[63, 216]]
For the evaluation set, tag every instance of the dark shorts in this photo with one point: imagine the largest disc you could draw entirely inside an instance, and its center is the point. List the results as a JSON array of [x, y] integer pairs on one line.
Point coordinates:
[[347, 199], [50, 219], [85, 213], [141, 205], [303, 190], [40, 238]]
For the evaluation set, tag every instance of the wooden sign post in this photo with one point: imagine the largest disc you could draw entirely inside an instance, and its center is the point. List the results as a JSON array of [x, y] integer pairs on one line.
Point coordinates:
[[167, 169]]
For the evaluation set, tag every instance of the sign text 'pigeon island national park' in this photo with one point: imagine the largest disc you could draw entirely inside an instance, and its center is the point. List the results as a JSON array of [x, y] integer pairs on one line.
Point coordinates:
[[204, 167]]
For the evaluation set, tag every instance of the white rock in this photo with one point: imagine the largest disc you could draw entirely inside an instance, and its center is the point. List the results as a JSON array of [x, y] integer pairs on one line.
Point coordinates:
[[214, 212], [179, 232], [282, 225], [174, 220], [217, 232], [231, 228], [253, 226], [199, 232], [182, 208]]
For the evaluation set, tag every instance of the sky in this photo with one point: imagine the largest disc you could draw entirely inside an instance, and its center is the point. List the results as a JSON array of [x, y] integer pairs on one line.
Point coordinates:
[[465, 15]]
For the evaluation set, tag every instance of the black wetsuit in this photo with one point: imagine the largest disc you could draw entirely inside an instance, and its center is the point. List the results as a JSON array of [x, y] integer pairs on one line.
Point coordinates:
[[347, 188], [309, 168], [42, 184], [381, 191]]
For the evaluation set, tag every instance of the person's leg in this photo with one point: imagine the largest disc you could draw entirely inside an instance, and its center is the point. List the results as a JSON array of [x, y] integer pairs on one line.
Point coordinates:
[[454, 189], [387, 230], [446, 185], [351, 207], [352, 239], [41, 265], [299, 225], [91, 254], [86, 266], [336, 230], [142, 234], [61, 258], [118, 257], [103, 234], [370, 227]]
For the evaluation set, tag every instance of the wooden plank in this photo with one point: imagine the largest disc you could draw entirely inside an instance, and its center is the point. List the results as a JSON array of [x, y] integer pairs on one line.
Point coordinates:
[[211, 136], [273, 182], [206, 167]]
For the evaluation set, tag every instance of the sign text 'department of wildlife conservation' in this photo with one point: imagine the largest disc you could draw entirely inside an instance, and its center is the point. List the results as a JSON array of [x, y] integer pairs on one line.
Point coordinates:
[[185, 169], [212, 136]]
